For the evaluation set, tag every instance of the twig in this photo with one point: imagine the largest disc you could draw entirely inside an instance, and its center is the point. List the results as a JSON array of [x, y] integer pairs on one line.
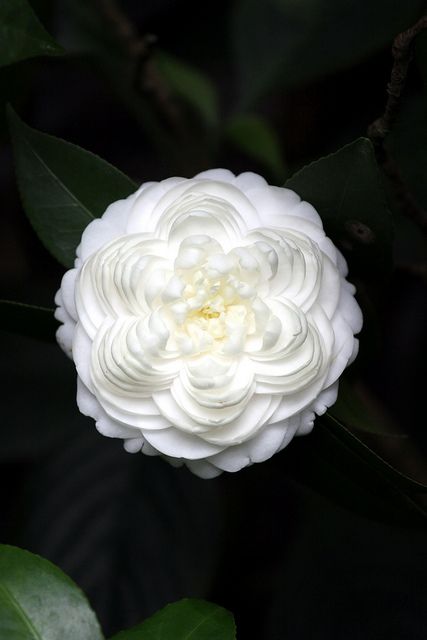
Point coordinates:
[[146, 78], [402, 55]]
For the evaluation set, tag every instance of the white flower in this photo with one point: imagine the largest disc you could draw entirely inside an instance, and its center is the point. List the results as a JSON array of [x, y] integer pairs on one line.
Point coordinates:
[[209, 320]]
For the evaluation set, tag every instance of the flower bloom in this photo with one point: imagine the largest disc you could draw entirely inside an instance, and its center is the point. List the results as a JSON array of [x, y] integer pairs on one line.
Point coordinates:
[[209, 320]]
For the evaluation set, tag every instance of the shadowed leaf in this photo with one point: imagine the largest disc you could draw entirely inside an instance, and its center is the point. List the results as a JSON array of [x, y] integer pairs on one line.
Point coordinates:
[[62, 187], [22, 35]]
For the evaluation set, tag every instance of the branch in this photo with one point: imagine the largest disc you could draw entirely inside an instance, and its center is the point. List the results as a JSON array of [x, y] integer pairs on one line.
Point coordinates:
[[402, 55], [146, 78]]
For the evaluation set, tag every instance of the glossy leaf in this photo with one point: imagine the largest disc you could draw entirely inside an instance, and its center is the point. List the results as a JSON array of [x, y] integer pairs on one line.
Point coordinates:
[[22, 35], [293, 42], [254, 136], [28, 320], [188, 618], [39, 602], [62, 186], [345, 188]]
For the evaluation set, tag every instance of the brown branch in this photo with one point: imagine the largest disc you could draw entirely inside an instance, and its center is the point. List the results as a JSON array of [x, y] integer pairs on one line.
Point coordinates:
[[402, 55], [402, 52], [145, 76]]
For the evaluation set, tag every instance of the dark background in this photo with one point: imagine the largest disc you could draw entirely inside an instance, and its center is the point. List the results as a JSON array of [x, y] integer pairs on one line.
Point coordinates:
[[289, 560]]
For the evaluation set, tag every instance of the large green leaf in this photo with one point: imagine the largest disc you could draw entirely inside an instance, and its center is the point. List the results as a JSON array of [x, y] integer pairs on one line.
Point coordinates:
[[346, 190], [22, 35], [62, 186], [291, 42], [188, 618], [27, 320], [39, 602]]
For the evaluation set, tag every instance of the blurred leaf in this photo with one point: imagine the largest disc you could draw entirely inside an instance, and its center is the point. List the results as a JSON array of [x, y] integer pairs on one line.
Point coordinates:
[[345, 188], [293, 42], [22, 35], [358, 410], [333, 462], [188, 618], [117, 52], [399, 480], [190, 84], [39, 602], [62, 187], [28, 320], [254, 136]]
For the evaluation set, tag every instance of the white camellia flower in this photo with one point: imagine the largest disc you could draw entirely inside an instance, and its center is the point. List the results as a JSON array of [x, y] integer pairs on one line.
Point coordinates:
[[209, 320]]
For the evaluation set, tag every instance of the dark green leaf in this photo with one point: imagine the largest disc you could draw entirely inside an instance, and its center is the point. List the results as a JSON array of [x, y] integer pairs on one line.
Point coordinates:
[[62, 187], [346, 190], [89, 31], [381, 466], [357, 409], [254, 136], [292, 42], [22, 35], [333, 462], [28, 320], [190, 85], [39, 602], [188, 618]]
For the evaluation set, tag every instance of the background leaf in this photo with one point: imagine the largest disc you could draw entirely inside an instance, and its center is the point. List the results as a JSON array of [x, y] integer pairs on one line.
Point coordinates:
[[189, 84], [28, 320], [336, 464], [62, 187], [39, 602], [296, 41], [253, 135], [22, 35], [357, 408], [346, 190], [183, 620]]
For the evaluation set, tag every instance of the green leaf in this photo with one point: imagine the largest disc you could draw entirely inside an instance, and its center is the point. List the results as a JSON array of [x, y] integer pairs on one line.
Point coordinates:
[[62, 186], [188, 618], [397, 479], [28, 320], [345, 188], [189, 84], [335, 463], [254, 136], [39, 602], [293, 42], [357, 409], [22, 35]]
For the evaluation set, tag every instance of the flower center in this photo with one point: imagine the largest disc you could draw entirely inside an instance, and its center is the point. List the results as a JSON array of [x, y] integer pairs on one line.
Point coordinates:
[[211, 300]]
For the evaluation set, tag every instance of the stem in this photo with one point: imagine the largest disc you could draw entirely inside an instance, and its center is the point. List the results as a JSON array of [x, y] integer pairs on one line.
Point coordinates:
[[402, 51], [402, 55], [146, 79]]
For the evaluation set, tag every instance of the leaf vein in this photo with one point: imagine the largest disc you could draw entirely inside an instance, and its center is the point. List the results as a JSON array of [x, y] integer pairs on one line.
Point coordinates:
[[21, 611]]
